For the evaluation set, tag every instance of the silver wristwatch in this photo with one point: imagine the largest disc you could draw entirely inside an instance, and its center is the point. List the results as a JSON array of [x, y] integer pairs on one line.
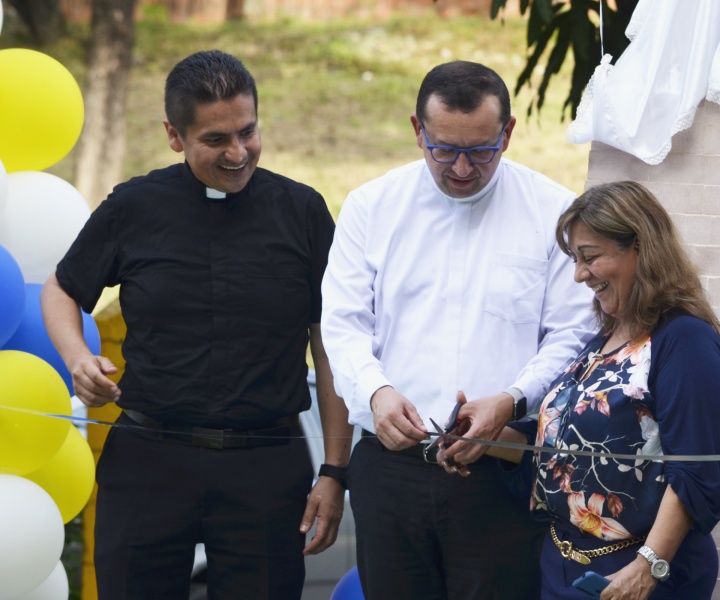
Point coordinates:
[[659, 568]]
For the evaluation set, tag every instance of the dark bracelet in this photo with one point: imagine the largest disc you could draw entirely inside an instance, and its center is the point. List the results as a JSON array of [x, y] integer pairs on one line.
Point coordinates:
[[338, 473]]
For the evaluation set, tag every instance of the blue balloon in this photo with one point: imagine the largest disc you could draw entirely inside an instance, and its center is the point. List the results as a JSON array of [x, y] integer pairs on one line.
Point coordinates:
[[348, 588], [31, 335], [12, 295]]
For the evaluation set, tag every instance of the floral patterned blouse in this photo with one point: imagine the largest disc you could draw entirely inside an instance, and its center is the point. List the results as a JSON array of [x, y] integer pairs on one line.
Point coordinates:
[[610, 404]]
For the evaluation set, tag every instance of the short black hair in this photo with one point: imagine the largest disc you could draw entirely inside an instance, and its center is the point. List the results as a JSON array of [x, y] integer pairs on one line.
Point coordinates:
[[463, 85], [202, 78]]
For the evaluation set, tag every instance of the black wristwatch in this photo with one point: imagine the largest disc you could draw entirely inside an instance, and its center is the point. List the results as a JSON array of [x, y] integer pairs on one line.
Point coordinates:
[[519, 403], [338, 473]]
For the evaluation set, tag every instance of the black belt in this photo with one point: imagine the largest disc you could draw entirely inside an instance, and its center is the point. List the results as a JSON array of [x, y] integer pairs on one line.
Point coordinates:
[[416, 451], [277, 433]]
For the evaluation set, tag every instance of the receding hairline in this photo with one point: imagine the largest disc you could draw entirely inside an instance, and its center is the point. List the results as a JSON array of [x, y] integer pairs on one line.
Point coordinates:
[[437, 97]]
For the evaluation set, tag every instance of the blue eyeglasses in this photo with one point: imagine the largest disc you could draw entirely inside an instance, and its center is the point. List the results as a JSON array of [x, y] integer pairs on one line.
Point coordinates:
[[477, 155]]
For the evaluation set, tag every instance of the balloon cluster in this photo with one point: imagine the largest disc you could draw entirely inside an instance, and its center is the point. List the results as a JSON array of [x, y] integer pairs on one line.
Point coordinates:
[[46, 465]]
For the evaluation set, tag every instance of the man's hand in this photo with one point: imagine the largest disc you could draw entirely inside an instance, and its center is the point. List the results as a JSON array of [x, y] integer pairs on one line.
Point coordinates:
[[326, 503], [397, 423], [90, 381], [482, 419]]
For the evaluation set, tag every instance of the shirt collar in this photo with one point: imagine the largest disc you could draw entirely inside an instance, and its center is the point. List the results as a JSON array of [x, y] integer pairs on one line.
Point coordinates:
[[481, 194], [209, 194]]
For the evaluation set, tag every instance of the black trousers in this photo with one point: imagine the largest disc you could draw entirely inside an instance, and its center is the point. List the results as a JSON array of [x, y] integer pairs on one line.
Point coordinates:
[[158, 498], [425, 534]]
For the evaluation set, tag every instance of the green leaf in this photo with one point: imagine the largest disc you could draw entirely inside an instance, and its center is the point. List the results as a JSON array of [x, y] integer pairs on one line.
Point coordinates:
[[495, 7], [535, 26], [582, 30], [545, 10], [532, 61], [557, 56]]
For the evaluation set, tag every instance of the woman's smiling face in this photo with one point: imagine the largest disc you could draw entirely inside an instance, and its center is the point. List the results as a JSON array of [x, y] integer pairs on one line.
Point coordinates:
[[605, 267]]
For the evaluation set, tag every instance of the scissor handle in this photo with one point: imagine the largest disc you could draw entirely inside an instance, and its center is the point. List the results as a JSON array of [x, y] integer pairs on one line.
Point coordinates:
[[453, 421]]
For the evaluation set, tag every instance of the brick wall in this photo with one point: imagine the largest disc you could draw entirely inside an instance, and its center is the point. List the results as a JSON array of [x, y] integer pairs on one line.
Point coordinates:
[[687, 183]]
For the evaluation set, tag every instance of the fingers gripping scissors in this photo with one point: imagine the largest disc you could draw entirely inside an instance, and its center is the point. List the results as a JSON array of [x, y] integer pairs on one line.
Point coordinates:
[[442, 440]]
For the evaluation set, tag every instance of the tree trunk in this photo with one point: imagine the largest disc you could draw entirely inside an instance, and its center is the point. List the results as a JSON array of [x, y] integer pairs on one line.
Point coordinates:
[[43, 18], [101, 148], [235, 9]]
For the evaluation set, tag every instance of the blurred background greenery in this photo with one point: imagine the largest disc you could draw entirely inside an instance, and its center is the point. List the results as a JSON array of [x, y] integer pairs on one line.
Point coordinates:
[[335, 97]]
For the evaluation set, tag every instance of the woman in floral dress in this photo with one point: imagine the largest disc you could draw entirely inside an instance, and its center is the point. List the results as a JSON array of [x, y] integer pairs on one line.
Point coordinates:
[[647, 385]]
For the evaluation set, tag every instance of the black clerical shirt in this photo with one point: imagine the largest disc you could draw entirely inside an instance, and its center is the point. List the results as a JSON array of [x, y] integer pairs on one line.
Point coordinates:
[[217, 294]]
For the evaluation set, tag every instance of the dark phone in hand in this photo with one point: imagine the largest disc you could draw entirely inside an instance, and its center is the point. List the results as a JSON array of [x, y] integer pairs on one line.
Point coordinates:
[[591, 583]]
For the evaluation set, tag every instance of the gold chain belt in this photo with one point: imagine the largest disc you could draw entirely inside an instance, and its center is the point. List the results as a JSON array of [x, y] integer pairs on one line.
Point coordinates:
[[584, 556]]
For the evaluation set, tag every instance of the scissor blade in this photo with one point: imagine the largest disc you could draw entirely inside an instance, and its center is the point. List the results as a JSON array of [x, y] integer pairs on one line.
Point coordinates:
[[438, 432]]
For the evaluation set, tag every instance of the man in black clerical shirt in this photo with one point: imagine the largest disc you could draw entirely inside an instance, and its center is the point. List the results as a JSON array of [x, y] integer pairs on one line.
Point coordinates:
[[219, 264]]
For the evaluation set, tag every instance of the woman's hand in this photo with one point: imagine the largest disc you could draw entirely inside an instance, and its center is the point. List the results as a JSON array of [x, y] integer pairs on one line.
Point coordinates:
[[633, 582]]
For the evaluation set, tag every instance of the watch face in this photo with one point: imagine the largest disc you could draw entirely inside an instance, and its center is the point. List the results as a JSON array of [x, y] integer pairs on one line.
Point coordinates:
[[660, 569]]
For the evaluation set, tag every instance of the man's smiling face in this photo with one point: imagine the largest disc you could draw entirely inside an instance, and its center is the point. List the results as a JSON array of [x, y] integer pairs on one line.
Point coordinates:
[[222, 146]]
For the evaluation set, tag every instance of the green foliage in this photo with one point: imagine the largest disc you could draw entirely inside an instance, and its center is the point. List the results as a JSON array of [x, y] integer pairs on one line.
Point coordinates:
[[573, 26], [72, 556], [154, 12], [336, 96]]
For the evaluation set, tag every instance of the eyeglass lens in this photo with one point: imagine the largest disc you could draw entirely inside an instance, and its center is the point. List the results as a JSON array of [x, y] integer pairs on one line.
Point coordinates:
[[450, 155]]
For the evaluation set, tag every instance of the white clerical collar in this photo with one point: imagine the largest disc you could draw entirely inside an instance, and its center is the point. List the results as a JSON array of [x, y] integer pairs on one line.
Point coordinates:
[[481, 194], [213, 194]]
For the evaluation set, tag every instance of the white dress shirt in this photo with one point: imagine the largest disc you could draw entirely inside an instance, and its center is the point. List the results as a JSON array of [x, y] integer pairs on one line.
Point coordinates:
[[431, 295]]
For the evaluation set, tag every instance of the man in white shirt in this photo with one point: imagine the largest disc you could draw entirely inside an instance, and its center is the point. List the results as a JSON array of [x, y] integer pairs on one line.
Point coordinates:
[[444, 275]]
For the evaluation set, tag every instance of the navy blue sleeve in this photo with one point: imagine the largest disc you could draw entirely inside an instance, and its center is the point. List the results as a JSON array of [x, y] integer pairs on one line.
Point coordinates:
[[519, 477], [684, 380]]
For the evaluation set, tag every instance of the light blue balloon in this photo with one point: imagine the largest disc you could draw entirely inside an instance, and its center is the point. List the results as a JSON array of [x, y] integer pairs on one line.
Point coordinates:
[[32, 336], [12, 295]]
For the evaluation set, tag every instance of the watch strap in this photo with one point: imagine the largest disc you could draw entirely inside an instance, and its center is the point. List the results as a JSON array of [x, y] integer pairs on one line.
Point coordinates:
[[337, 473], [519, 403], [659, 568]]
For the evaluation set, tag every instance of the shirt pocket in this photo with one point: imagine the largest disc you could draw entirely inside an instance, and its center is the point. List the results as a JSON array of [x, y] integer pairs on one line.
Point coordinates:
[[516, 288]]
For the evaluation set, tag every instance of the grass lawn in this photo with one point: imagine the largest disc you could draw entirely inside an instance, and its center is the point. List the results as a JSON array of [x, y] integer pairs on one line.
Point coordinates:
[[335, 98]]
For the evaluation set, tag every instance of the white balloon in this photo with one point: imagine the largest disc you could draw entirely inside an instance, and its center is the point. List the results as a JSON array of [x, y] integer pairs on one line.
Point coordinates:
[[42, 216], [55, 587], [32, 536], [80, 411], [3, 173], [1, 16]]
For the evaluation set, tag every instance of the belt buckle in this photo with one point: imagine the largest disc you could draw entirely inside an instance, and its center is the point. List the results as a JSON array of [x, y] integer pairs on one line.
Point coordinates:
[[427, 459], [208, 438]]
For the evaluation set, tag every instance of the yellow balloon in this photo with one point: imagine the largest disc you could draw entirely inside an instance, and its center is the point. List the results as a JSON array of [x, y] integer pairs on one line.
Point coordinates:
[[69, 475], [41, 110], [27, 440]]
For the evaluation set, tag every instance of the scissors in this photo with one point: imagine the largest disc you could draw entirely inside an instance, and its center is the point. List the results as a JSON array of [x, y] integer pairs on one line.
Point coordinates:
[[442, 440]]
